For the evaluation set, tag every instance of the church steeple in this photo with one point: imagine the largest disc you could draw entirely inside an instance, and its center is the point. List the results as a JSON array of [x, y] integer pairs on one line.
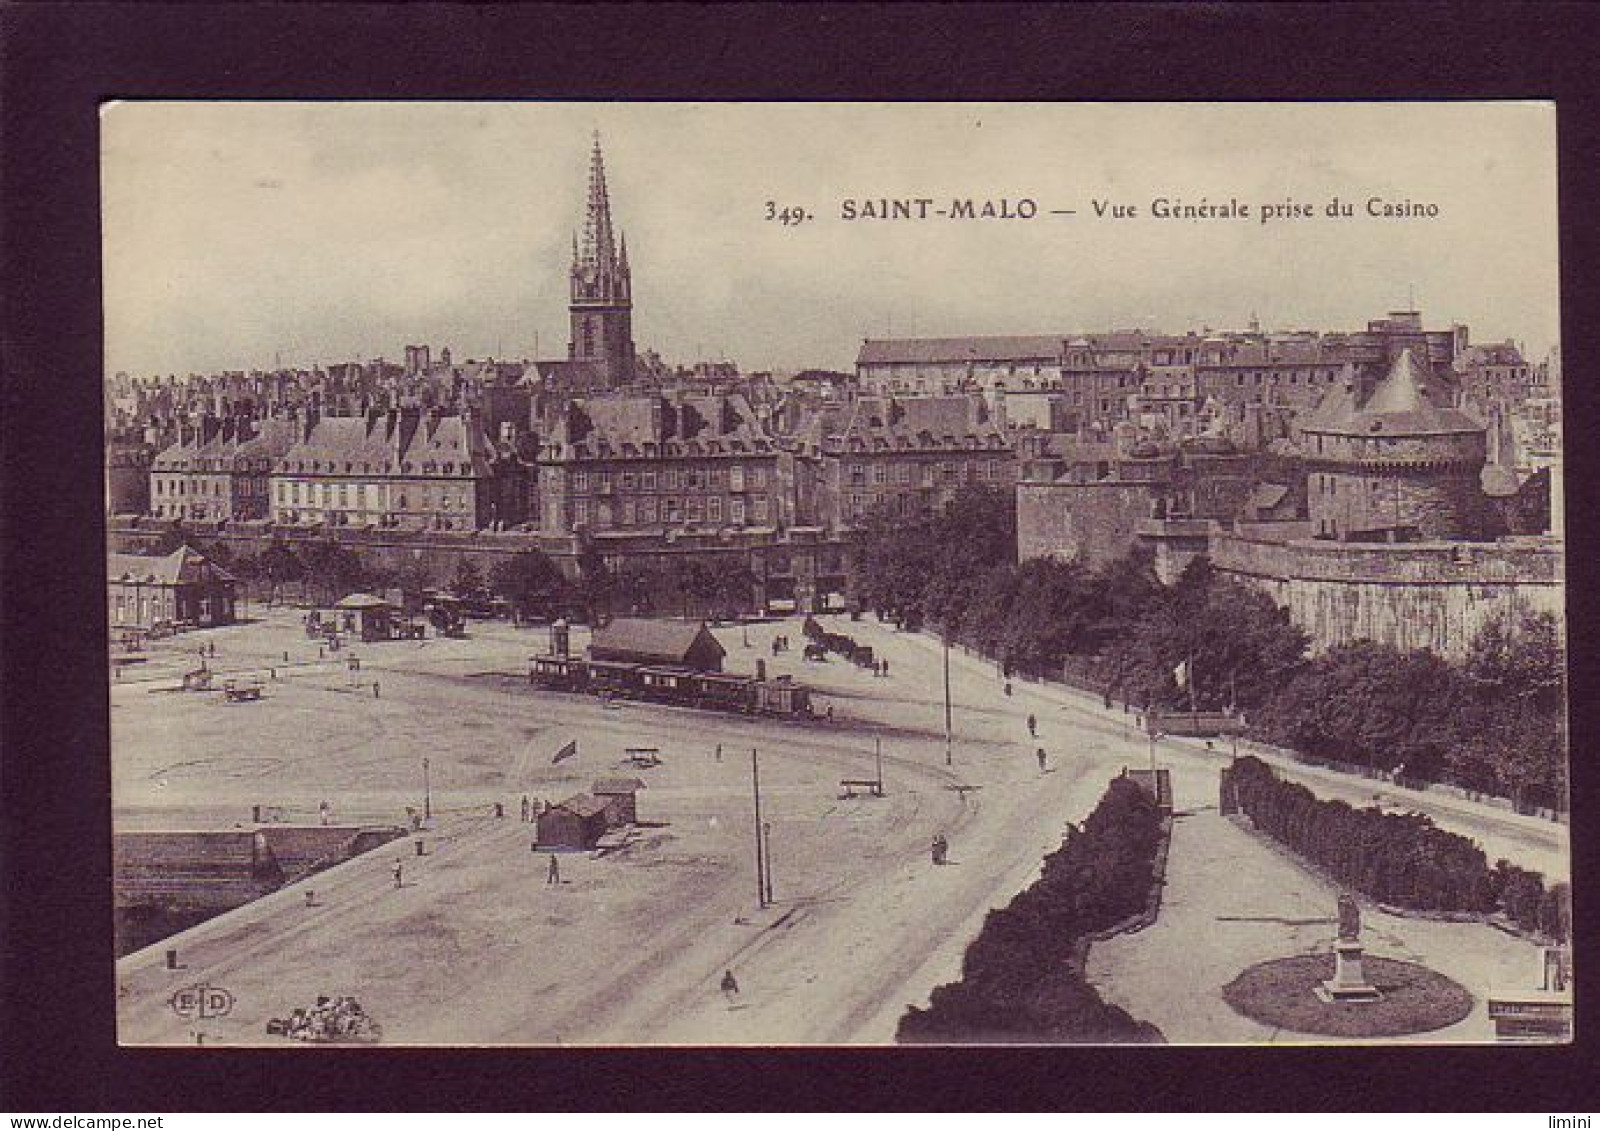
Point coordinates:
[[602, 285]]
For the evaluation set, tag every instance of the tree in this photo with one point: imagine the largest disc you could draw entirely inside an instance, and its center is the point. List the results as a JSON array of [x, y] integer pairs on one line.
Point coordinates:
[[595, 584], [280, 565], [530, 581], [468, 579]]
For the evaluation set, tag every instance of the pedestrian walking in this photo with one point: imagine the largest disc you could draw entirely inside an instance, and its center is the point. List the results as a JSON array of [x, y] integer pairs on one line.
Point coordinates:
[[525, 807], [730, 986], [375, 694], [1033, 726], [886, 669], [830, 712], [940, 848], [553, 876], [1041, 759], [399, 873], [325, 811]]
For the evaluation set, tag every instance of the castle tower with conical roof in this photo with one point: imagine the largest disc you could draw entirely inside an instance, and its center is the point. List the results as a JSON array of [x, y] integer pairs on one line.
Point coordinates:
[[602, 288], [1399, 466]]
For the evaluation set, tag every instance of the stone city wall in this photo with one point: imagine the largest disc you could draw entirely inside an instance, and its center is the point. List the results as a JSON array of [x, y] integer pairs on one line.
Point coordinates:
[[1434, 596]]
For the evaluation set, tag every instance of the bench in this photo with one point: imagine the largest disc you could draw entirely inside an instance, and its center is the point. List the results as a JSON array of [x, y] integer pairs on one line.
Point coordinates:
[[871, 785]]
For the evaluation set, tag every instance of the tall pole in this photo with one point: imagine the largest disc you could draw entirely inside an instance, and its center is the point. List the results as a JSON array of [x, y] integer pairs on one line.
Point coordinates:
[[766, 840], [946, 635], [427, 794], [877, 745], [761, 866]]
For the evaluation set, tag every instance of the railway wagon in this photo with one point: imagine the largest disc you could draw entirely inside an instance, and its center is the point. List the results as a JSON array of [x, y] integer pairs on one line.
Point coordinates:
[[667, 684]]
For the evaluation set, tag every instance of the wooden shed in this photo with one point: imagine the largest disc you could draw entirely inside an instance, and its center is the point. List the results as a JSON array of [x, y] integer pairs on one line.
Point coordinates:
[[673, 643], [620, 796], [576, 824]]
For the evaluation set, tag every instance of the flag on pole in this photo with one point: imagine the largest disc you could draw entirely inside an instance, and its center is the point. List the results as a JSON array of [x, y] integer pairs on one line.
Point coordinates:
[[1180, 674], [568, 751]]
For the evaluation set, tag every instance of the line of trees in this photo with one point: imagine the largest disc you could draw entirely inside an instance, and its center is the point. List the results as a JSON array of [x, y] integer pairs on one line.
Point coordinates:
[[530, 581], [1493, 723], [1403, 859], [1020, 979]]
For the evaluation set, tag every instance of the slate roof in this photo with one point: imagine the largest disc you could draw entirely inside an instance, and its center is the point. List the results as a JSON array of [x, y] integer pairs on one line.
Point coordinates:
[[670, 640], [623, 426], [611, 786], [948, 421], [183, 566], [583, 805], [362, 601], [400, 443], [886, 351], [1401, 405]]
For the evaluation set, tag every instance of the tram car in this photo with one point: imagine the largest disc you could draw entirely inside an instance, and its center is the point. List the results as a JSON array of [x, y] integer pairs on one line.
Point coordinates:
[[716, 691]]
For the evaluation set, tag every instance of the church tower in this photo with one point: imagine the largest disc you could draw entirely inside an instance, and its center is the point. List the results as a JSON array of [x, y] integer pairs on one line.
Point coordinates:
[[602, 288]]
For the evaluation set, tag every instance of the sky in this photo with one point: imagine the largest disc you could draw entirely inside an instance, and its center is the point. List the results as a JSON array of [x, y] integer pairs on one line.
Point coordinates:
[[244, 235]]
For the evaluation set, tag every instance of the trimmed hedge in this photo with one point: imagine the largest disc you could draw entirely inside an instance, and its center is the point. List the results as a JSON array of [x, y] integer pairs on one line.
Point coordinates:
[[1402, 859], [1019, 978]]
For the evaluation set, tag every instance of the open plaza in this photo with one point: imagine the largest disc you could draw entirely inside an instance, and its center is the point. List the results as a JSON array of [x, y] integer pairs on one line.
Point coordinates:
[[471, 943]]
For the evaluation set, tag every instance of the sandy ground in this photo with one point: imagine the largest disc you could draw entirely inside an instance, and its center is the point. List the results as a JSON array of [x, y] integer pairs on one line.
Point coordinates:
[[631, 947]]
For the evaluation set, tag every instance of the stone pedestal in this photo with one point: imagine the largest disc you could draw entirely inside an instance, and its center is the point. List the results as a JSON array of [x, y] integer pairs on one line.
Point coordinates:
[[1349, 982]]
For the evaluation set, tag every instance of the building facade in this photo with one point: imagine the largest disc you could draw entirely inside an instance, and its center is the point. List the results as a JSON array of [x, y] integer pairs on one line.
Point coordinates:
[[405, 469], [183, 587]]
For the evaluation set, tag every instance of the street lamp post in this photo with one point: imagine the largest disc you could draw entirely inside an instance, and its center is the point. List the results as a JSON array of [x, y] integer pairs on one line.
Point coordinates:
[[946, 635], [427, 794], [766, 840], [761, 867]]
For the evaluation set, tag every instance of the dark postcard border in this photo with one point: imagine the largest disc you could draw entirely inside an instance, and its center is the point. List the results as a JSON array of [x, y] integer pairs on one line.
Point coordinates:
[[58, 61]]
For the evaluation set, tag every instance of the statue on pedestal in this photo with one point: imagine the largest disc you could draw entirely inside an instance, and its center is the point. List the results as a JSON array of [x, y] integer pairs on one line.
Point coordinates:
[[1349, 918]]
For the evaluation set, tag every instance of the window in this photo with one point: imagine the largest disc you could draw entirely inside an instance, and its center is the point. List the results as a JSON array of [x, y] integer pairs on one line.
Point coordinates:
[[736, 511], [714, 508], [759, 508], [670, 479], [758, 476], [580, 480], [647, 509], [858, 474], [627, 480], [649, 479], [902, 473], [692, 505], [736, 477], [580, 512], [627, 510], [880, 473]]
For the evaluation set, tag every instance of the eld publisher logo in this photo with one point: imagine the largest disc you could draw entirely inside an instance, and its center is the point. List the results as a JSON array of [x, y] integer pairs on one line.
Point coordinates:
[[201, 1001]]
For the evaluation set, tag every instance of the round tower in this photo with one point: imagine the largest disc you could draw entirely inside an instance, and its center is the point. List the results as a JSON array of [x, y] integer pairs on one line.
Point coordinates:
[[1399, 466]]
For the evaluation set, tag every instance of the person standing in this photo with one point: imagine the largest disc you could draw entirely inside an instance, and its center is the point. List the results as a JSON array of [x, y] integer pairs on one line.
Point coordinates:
[[525, 807], [1033, 727], [730, 986], [553, 876], [1041, 759], [399, 874]]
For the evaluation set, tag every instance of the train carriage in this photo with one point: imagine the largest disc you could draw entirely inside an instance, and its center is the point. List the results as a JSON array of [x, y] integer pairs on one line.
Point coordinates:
[[727, 692], [562, 673]]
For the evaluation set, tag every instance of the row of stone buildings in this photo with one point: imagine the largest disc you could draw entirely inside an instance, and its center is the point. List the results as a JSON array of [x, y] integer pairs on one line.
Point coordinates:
[[597, 466]]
